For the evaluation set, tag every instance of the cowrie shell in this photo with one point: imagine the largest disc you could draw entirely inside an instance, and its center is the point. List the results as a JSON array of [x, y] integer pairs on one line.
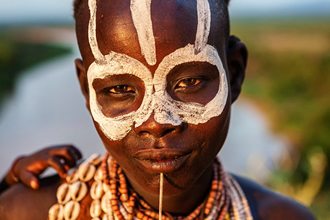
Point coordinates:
[[99, 176], [96, 191], [56, 212], [71, 210], [78, 191], [106, 187], [107, 217], [105, 203], [72, 177], [94, 159], [63, 193], [86, 172], [95, 209], [96, 219]]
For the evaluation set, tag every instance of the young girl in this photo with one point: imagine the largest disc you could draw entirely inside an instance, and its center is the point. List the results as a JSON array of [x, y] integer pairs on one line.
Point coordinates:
[[158, 78]]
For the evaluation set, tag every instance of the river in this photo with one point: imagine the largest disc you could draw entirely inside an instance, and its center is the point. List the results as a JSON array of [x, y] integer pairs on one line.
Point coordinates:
[[47, 108]]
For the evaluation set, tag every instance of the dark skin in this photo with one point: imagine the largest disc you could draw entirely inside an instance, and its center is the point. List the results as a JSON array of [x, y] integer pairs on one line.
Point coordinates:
[[200, 142], [28, 168], [24, 177], [196, 174]]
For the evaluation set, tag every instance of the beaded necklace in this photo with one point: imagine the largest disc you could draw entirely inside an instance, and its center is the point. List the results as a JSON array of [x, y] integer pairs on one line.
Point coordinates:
[[112, 199]]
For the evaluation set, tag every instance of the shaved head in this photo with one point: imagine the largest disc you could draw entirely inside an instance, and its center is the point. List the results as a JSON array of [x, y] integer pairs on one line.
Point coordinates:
[[77, 5], [170, 19]]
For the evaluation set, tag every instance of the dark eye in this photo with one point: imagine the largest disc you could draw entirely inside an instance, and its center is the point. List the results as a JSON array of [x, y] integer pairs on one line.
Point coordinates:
[[188, 83], [119, 90]]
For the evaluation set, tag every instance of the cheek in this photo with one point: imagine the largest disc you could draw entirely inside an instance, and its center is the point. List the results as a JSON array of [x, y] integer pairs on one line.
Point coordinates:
[[120, 150], [208, 138], [115, 148], [214, 133]]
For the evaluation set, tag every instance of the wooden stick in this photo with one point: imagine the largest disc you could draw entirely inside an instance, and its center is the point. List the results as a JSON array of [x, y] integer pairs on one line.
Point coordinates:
[[161, 186]]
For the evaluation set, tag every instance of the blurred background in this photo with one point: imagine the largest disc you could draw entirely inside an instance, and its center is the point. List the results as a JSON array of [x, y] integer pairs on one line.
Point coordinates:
[[280, 128]]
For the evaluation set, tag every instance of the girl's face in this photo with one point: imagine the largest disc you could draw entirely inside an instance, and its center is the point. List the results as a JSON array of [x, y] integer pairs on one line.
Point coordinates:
[[158, 89]]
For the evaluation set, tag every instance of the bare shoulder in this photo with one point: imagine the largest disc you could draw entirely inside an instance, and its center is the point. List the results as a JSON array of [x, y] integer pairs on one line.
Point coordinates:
[[270, 205], [20, 202]]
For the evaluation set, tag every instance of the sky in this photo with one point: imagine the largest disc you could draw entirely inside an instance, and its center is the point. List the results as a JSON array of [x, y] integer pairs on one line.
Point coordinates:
[[34, 10], [277, 4], [280, 7]]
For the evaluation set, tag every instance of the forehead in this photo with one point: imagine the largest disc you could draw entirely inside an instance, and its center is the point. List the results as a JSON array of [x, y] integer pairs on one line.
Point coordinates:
[[174, 25]]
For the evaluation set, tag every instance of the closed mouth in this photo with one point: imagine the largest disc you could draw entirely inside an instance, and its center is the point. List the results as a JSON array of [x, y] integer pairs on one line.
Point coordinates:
[[161, 160]]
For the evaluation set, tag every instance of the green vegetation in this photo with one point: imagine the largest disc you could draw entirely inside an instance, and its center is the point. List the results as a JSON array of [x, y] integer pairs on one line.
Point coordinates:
[[289, 77], [16, 56]]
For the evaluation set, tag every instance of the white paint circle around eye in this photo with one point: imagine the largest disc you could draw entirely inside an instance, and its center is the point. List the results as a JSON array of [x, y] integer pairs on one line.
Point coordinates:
[[193, 113], [166, 109], [117, 127]]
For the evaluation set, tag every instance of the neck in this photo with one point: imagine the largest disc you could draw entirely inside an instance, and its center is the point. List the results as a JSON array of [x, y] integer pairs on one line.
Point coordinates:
[[184, 202]]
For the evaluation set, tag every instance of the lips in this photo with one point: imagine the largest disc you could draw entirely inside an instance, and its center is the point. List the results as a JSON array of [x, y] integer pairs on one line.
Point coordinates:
[[161, 160]]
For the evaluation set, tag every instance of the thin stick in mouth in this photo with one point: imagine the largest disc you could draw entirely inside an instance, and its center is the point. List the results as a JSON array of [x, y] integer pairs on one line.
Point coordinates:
[[161, 186]]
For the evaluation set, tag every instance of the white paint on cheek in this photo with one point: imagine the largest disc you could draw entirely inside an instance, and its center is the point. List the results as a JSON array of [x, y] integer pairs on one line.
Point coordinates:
[[141, 15], [92, 31], [168, 110], [203, 24], [117, 128]]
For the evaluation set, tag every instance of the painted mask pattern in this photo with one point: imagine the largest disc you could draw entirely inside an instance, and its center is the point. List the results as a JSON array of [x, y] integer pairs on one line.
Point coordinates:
[[156, 99]]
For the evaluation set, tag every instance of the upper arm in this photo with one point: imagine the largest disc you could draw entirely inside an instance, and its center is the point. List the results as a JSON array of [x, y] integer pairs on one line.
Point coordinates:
[[3, 215], [280, 207], [270, 205], [20, 202], [11, 207]]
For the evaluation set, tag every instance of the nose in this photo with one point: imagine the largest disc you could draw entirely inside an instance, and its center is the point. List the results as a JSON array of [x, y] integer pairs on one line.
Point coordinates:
[[157, 130]]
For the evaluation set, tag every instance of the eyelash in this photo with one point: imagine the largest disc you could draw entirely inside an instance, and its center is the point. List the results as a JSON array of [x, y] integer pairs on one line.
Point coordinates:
[[123, 90], [181, 86], [190, 83]]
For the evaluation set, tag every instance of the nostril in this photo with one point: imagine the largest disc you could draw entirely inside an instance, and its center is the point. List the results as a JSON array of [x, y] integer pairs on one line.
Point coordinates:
[[160, 132], [152, 128], [156, 131]]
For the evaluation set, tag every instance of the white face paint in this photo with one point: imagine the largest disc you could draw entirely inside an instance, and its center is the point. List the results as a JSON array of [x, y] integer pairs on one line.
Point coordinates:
[[141, 15], [156, 99]]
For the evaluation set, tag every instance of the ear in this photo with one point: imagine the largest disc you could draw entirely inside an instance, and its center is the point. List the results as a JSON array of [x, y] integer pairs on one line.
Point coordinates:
[[82, 77], [237, 56]]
